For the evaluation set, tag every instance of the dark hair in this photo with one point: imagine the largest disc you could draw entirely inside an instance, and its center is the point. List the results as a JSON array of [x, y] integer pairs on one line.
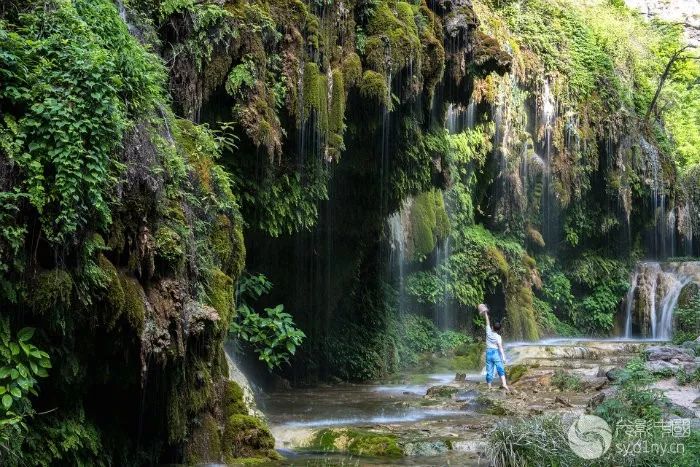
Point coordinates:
[[497, 326]]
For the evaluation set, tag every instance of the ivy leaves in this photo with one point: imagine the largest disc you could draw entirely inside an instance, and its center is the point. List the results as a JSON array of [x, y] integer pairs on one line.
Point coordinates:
[[21, 363]]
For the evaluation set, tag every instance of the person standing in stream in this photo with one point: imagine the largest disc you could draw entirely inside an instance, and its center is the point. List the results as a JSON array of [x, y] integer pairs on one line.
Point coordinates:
[[495, 355]]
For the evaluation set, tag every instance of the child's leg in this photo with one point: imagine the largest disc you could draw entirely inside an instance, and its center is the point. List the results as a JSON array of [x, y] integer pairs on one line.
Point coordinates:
[[489, 367], [502, 373]]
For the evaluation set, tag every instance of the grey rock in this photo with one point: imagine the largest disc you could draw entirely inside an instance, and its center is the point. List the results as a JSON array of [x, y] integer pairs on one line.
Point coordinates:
[[668, 353]]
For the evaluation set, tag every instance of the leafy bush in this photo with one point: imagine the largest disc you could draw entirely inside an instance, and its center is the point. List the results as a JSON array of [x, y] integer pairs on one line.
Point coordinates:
[[687, 326], [274, 336], [21, 363], [565, 381], [68, 104]]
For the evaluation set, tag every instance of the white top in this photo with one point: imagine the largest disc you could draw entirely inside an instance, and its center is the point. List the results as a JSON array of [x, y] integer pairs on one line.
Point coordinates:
[[493, 340]]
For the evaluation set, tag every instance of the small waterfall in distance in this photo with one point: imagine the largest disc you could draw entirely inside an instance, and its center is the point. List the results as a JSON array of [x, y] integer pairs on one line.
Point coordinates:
[[653, 296]]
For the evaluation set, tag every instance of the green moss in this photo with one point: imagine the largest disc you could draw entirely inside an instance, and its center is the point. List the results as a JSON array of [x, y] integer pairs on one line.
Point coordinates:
[[429, 223], [134, 306], [356, 441], [515, 372], [247, 437], [221, 242], [471, 355], [232, 400], [204, 443], [520, 312], [221, 296], [169, 249], [313, 94], [489, 406], [336, 116], [393, 42], [374, 88], [50, 290], [497, 258], [113, 294], [442, 391], [352, 70]]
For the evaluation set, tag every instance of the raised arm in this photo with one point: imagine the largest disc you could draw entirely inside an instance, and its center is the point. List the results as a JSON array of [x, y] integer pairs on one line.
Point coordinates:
[[486, 317]]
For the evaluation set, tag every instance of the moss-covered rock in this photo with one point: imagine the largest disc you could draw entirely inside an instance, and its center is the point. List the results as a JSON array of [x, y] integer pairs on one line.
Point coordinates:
[[352, 70], [51, 289], [204, 442], [232, 400], [134, 303], [221, 296], [246, 436], [471, 355], [374, 88], [392, 38], [169, 249], [515, 372], [112, 295], [429, 223], [356, 441], [441, 391], [521, 321]]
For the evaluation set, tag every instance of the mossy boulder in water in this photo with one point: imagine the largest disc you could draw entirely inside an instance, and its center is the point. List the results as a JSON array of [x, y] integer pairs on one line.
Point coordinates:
[[356, 441], [246, 436], [441, 391]]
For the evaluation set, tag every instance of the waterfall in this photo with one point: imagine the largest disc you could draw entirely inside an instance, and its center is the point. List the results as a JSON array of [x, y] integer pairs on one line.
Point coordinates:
[[548, 116], [654, 174], [237, 376], [653, 295], [460, 118], [629, 300], [397, 260], [445, 317]]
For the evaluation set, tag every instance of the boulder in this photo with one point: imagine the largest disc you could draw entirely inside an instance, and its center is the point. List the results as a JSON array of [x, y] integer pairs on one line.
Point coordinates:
[[441, 391], [668, 353], [613, 374]]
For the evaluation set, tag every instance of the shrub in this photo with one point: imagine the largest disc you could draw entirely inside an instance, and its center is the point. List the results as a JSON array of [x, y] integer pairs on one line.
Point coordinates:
[[566, 381]]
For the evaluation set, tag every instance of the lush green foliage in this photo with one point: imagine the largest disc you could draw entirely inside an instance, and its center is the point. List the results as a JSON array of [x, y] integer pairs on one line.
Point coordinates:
[[77, 97], [566, 381], [274, 337], [21, 363], [687, 317]]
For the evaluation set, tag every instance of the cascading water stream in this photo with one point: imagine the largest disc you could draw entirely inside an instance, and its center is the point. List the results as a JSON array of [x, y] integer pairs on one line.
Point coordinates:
[[653, 296], [236, 375], [547, 114], [397, 257]]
